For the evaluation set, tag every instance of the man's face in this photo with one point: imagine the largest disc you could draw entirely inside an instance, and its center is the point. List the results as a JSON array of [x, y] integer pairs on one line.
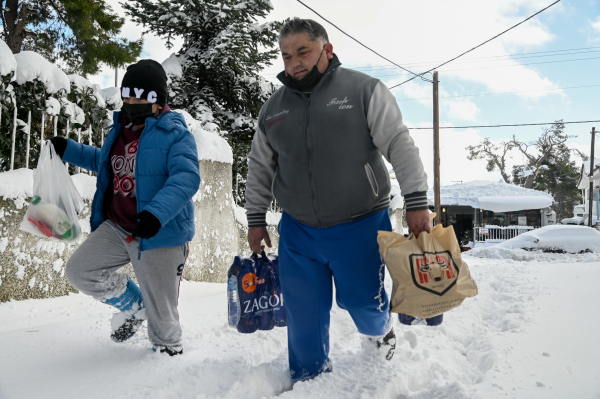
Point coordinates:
[[300, 54], [135, 100]]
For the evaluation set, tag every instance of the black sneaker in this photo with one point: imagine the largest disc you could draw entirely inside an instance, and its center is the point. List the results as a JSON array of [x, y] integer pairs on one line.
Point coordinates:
[[389, 340], [170, 350], [126, 330]]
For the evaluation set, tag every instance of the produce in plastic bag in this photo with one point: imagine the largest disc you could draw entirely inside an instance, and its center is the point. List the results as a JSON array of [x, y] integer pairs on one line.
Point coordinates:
[[53, 210]]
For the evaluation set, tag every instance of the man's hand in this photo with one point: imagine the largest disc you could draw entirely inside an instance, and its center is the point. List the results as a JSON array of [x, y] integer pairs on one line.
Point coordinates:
[[255, 237], [418, 221]]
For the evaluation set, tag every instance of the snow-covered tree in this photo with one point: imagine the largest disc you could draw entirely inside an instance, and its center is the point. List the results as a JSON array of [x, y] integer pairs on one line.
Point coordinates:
[[77, 34], [223, 52]]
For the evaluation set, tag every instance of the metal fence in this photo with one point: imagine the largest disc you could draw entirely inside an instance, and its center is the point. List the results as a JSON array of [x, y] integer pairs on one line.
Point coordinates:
[[498, 233], [28, 131]]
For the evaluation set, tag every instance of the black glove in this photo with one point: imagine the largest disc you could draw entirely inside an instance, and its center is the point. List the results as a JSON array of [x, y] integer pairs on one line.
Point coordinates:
[[148, 225], [60, 145]]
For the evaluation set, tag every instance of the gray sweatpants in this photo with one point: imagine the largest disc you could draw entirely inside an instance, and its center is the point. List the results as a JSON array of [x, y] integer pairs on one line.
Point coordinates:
[[92, 269]]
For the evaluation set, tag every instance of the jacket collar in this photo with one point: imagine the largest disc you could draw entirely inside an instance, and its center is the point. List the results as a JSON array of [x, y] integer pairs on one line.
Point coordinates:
[[333, 65]]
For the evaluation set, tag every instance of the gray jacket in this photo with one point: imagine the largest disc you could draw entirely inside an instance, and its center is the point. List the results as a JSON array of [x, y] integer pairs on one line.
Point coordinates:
[[320, 155]]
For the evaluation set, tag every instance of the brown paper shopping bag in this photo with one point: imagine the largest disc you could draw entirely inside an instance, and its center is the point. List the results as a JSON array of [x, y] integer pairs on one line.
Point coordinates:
[[428, 273]]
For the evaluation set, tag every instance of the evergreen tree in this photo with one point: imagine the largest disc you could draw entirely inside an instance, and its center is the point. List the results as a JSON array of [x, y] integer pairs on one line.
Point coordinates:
[[224, 49], [79, 35]]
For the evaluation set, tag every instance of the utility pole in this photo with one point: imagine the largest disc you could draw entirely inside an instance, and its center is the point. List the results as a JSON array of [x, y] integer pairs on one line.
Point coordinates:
[[436, 149], [591, 193], [116, 76]]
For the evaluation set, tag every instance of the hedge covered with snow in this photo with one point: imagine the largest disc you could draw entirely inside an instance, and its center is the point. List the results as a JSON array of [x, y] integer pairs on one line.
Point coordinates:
[[46, 101]]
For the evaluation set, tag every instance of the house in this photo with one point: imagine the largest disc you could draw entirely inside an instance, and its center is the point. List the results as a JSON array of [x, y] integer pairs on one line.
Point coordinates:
[[493, 212], [584, 185]]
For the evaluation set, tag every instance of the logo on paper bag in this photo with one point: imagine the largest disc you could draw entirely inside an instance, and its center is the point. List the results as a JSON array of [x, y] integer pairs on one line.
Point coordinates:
[[433, 272]]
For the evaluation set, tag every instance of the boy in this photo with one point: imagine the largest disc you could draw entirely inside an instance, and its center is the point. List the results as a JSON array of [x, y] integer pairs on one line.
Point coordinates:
[[142, 210]]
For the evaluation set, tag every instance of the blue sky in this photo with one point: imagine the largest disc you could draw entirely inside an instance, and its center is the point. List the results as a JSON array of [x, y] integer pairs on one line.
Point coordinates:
[[418, 34]]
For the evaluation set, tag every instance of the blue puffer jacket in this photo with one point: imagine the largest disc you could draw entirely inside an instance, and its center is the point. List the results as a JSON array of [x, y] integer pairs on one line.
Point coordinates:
[[167, 176]]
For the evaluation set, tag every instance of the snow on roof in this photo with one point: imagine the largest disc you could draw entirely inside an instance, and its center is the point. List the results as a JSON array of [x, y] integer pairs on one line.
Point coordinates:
[[586, 165], [172, 66], [32, 66], [8, 63], [492, 196], [112, 96], [212, 147]]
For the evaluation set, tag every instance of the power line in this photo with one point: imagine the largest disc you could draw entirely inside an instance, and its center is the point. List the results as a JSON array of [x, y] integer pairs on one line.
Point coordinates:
[[368, 48], [504, 92], [483, 59], [489, 40], [521, 124], [497, 66]]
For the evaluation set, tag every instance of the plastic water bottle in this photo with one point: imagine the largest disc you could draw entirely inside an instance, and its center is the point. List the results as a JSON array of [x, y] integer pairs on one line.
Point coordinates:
[[233, 296], [248, 322], [266, 295], [278, 305]]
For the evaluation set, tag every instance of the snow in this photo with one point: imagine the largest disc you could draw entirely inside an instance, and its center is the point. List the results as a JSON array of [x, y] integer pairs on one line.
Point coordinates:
[[492, 196], [567, 238], [172, 66], [525, 336], [18, 183], [72, 110], [212, 147], [83, 83], [189, 119], [586, 165], [86, 185], [32, 66], [52, 106], [112, 97], [8, 63]]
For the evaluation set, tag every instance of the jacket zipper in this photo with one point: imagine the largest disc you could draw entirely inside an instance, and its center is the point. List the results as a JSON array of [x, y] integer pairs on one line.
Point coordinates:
[[137, 196], [313, 190]]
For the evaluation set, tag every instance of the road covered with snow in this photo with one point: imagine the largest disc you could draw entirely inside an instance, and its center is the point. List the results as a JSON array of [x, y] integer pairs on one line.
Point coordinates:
[[532, 332]]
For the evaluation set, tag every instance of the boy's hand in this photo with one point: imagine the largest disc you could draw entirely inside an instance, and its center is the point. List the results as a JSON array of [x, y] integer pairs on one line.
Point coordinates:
[[60, 145], [147, 227]]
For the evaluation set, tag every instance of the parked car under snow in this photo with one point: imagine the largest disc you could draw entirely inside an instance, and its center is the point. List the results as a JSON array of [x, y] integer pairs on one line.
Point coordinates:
[[557, 238]]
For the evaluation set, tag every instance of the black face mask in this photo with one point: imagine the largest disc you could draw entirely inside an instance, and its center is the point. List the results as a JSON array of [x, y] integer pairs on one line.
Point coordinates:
[[310, 80], [137, 113]]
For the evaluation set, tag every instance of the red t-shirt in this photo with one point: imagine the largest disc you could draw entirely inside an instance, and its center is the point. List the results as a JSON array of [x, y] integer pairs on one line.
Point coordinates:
[[122, 159]]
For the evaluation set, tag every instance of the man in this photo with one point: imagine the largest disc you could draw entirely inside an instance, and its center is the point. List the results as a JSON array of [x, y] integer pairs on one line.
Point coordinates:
[[318, 149], [142, 210]]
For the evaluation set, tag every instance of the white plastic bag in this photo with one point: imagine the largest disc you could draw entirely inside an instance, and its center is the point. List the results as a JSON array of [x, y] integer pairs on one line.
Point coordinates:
[[53, 209]]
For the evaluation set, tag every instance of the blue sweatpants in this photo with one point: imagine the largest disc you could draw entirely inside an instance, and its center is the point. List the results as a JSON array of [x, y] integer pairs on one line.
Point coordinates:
[[309, 259]]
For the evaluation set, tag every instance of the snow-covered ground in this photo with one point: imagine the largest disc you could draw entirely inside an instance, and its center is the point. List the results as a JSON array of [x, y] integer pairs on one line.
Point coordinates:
[[530, 333]]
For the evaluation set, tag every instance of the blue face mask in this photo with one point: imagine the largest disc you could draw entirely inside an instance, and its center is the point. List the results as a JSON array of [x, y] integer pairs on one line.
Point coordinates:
[[310, 80]]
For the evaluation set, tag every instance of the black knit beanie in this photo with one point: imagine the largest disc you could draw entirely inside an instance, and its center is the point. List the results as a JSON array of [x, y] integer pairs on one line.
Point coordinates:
[[146, 80]]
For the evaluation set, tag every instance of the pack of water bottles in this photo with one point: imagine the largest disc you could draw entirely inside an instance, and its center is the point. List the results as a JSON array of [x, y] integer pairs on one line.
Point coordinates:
[[254, 297]]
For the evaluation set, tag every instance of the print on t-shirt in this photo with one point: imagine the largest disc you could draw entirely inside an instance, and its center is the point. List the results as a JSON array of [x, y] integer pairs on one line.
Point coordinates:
[[124, 170]]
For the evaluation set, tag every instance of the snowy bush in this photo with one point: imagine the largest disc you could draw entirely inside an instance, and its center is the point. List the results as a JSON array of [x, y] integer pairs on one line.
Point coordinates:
[[35, 85]]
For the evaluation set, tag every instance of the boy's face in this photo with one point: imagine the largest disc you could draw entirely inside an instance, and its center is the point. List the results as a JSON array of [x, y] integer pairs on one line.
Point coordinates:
[[135, 100]]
